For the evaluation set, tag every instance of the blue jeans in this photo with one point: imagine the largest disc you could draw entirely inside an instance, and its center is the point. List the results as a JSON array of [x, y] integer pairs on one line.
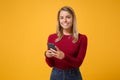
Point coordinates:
[[72, 74]]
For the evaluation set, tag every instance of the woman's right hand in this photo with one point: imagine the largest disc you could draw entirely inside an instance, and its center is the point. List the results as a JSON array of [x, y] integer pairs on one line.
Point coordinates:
[[49, 54]]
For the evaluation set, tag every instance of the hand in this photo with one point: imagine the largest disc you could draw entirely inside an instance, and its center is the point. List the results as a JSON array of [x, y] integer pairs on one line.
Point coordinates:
[[57, 54], [49, 53]]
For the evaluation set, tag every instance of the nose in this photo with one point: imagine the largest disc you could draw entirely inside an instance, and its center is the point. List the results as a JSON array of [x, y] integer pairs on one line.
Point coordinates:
[[65, 19]]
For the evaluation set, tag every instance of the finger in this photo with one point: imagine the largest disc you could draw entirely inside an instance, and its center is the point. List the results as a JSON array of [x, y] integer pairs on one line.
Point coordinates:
[[57, 48], [49, 51], [52, 54], [53, 50], [55, 55]]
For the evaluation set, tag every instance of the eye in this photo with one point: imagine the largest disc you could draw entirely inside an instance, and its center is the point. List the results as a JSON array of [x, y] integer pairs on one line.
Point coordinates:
[[68, 17], [61, 17]]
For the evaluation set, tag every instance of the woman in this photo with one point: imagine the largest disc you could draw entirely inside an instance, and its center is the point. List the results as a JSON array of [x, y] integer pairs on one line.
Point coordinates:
[[70, 47]]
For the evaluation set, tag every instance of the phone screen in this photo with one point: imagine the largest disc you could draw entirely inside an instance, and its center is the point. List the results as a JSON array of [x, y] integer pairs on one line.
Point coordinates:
[[51, 45]]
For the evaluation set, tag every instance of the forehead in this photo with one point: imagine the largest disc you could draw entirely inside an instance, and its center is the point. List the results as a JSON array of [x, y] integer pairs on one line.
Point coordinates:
[[64, 13]]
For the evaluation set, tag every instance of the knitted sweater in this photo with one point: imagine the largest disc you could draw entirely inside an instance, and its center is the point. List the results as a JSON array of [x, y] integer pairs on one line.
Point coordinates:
[[74, 52]]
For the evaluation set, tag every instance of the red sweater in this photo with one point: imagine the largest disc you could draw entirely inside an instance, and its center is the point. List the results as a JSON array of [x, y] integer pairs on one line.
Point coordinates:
[[74, 52]]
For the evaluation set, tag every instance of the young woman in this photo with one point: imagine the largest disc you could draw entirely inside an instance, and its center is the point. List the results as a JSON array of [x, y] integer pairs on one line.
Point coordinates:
[[70, 48]]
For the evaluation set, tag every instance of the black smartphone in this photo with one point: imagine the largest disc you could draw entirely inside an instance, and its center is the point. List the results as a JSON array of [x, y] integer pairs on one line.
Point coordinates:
[[51, 45]]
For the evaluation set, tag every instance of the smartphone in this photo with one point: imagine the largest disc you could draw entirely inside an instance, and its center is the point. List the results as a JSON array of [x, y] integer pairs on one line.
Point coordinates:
[[51, 45]]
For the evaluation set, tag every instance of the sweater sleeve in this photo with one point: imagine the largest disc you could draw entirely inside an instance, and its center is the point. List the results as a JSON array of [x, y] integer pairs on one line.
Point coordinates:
[[49, 61], [77, 61]]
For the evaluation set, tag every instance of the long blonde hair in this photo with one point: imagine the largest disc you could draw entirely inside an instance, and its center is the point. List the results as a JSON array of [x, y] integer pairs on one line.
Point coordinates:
[[59, 29]]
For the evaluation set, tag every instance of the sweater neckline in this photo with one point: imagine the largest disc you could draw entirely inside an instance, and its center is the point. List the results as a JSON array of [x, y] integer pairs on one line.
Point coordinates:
[[67, 35]]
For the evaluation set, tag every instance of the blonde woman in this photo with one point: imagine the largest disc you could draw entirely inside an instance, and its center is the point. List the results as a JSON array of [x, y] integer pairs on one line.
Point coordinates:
[[70, 47]]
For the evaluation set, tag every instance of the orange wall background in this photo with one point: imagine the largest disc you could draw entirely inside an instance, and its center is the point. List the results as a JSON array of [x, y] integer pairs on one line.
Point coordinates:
[[26, 24]]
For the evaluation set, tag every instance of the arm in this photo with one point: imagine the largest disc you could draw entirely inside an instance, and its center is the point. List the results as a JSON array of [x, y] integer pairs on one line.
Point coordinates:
[[49, 61], [48, 56], [77, 61]]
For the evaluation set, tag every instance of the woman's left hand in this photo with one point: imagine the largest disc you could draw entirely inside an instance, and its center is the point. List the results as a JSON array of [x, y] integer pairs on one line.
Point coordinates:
[[58, 53]]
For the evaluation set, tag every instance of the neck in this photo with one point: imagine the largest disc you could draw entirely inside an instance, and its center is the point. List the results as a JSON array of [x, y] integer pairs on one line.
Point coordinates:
[[67, 32]]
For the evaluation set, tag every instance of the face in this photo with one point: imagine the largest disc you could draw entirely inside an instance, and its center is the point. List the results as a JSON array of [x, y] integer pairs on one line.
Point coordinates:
[[65, 19]]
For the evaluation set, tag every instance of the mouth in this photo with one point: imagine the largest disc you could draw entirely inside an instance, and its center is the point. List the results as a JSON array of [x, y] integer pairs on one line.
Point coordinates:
[[65, 24]]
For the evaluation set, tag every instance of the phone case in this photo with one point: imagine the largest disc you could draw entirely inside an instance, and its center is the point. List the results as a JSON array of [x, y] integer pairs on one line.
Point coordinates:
[[51, 45]]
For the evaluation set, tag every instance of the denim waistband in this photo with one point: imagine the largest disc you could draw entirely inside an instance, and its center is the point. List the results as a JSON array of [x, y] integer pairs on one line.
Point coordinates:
[[69, 70], [60, 74]]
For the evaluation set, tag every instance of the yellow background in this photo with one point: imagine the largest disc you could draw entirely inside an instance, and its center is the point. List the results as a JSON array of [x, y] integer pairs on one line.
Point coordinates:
[[26, 24]]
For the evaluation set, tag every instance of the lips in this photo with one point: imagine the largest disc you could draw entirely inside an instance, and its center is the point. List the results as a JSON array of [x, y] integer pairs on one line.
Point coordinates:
[[65, 24]]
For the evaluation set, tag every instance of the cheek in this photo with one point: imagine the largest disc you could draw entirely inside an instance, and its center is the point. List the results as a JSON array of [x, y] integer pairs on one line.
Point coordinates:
[[60, 21], [70, 20]]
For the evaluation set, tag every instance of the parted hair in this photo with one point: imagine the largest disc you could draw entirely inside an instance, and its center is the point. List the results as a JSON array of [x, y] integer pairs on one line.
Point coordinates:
[[59, 29]]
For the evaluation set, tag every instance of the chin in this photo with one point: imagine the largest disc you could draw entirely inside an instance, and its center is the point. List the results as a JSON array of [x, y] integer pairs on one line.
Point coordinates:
[[66, 27]]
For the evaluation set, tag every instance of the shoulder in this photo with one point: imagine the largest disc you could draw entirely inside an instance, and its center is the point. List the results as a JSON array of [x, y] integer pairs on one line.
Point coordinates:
[[52, 35], [82, 37]]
